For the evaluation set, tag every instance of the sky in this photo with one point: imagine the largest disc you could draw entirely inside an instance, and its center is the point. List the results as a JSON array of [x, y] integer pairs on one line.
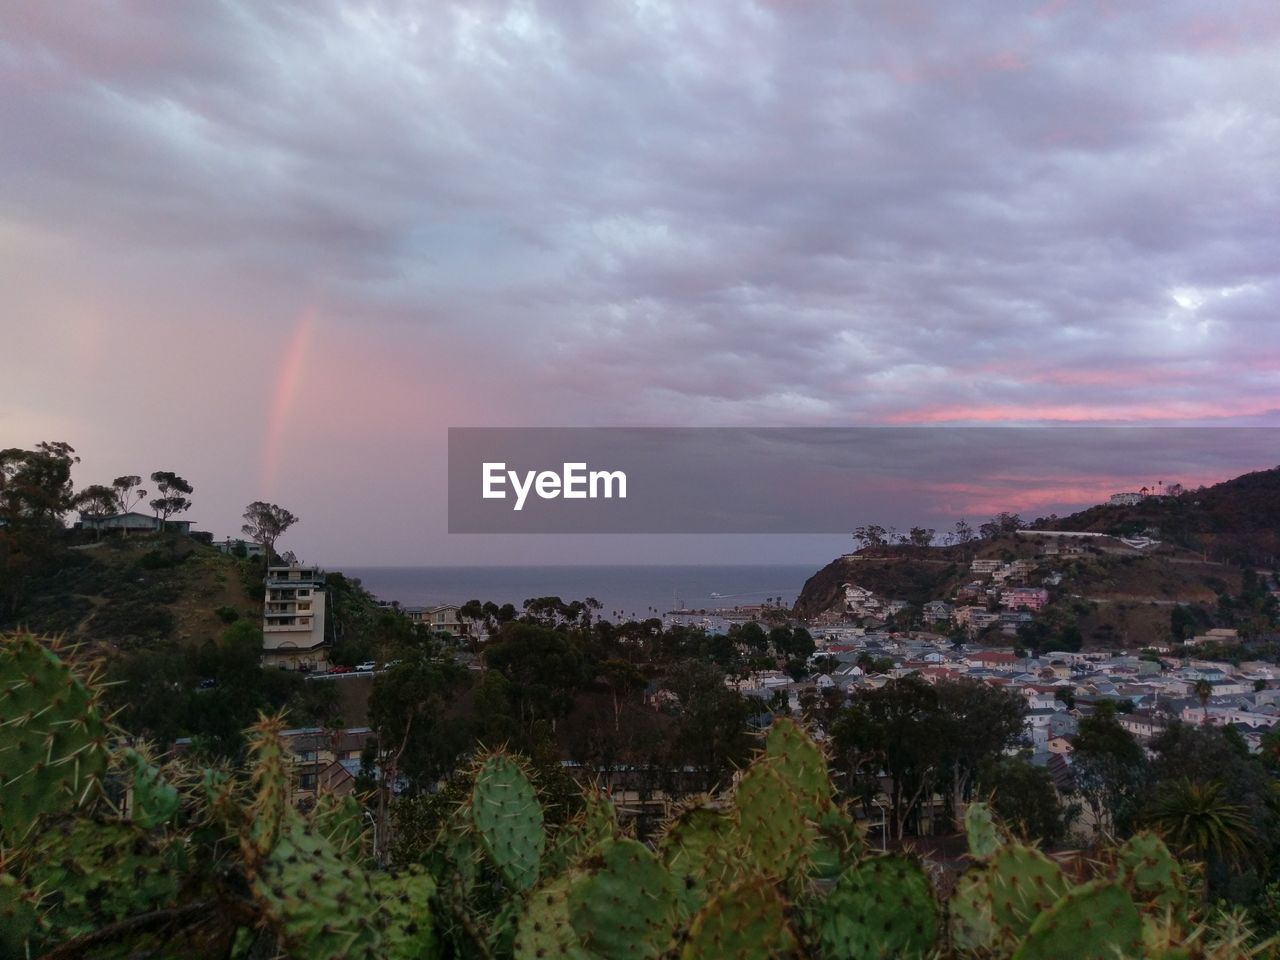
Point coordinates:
[[282, 247]]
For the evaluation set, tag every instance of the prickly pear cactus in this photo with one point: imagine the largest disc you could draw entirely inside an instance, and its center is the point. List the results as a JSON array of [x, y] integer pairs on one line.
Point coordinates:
[[322, 906], [771, 822], [624, 906], [20, 920], [342, 822], [1151, 873], [1095, 921], [404, 912], [594, 824], [840, 844], [508, 817], [882, 907], [802, 764], [748, 921], [696, 845], [269, 781], [983, 833], [53, 739], [154, 801], [96, 872], [993, 906], [545, 931]]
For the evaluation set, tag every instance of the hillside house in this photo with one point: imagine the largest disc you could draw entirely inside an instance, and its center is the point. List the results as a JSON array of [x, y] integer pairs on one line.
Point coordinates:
[[130, 522]]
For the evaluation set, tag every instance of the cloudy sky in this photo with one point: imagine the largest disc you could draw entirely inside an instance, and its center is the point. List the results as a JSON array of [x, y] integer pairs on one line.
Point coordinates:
[[280, 247]]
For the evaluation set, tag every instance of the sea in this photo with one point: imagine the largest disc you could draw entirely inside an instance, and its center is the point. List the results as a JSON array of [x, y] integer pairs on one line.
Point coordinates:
[[624, 592]]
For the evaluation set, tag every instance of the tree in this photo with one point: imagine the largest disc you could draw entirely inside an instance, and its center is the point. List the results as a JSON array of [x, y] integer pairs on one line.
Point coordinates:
[[1203, 690], [921, 536], [999, 524], [542, 665], [871, 535], [129, 492], [35, 485], [97, 501], [266, 523], [1109, 768], [173, 495], [1025, 798], [1198, 818], [622, 678]]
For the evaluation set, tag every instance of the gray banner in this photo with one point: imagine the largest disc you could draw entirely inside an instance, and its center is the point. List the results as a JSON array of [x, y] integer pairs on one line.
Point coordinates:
[[817, 480]]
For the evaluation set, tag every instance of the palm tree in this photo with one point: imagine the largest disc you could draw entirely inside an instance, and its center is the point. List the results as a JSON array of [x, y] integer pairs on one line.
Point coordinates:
[[1203, 689], [1196, 817]]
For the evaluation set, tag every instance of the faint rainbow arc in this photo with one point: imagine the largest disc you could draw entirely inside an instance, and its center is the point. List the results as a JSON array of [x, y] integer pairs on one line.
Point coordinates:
[[287, 380]]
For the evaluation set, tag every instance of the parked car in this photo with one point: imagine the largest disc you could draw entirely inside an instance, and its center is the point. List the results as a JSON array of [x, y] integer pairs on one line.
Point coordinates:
[[367, 666], [339, 669]]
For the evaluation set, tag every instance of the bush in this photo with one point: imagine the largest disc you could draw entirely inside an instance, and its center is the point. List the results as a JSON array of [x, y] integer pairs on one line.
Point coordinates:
[[227, 614]]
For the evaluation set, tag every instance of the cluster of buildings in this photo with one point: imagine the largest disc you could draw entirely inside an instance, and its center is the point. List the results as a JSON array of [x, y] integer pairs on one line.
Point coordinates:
[[1059, 687]]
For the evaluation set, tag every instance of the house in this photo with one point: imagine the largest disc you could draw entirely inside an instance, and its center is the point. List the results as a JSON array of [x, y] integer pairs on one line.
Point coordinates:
[[293, 636], [441, 618], [998, 660], [937, 611], [323, 761], [861, 602], [244, 548], [1024, 598], [985, 566], [1124, 499], [976, 618], [130, 521]]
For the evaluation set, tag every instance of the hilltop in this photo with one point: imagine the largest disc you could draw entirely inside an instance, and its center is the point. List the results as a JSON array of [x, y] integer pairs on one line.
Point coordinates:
[[1113, 592]]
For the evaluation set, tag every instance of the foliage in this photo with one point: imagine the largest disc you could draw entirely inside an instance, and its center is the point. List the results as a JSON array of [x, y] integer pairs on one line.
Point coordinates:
[[219, 863]]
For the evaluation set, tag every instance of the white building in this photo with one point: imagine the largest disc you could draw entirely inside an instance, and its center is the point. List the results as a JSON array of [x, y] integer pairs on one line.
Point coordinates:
[[293, 619]]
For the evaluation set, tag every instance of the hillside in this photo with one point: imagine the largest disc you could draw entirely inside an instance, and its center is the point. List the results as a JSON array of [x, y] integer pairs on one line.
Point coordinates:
[[1115, 594], [1236, 521], [139, 591]]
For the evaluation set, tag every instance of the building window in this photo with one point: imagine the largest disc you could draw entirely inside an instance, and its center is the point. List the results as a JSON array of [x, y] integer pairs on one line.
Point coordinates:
[[307, 781]]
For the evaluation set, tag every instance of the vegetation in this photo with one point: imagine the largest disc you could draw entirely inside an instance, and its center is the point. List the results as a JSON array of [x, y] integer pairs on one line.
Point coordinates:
[[108, 854]]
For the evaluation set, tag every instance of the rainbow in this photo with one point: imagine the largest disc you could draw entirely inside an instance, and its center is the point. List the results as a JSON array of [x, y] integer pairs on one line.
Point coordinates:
[[287, 379]]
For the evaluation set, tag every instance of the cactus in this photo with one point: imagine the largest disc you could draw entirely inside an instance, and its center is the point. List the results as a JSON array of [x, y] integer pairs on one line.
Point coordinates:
[[802, 765], [982, 831], [404, 907], [595, 823], [544, 931], [1095, 921], [20, 920], [269, 781], [154, 801], [96, 872], [748, 921], [882, 907], [993, 907], [1151, 873], [840, 844], [771, 821], [507, 815], [624, 905], [695, 845], [341, 821], [320, 905], [53, 739]]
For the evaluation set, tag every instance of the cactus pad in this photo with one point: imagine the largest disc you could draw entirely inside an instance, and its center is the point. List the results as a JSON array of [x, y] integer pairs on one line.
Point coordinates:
[[624, 906], [53, 740], [507, 815], [545, 931], [802, 765], [771, 821], [1151, 873], [982, 832], [696, 847], [404, 907], [1095, 921], [994, 906], [882, 907], [321, 905], [154, 801], [748, 921]]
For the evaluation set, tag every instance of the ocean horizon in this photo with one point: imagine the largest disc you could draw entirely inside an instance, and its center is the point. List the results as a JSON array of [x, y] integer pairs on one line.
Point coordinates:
[[624, 590]]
